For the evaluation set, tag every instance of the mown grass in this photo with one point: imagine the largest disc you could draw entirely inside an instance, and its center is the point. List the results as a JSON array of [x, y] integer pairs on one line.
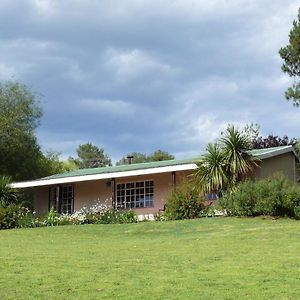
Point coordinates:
[[214, 258]]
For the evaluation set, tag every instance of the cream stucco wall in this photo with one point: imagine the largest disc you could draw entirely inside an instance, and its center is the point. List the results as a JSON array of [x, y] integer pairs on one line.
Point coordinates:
[[41, 197], [86, 194], [100, 191], [285, 164]]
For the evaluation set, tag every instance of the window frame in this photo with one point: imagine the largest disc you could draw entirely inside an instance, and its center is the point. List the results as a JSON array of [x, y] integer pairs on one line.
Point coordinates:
[[66, 204], [132, 191]]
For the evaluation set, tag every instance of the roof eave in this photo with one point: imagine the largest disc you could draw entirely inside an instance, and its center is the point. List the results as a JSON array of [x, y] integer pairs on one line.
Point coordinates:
[[277, 152], [46, 182]]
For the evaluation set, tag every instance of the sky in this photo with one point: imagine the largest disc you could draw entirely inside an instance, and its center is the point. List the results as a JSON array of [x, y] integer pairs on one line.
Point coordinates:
[[142, 75]]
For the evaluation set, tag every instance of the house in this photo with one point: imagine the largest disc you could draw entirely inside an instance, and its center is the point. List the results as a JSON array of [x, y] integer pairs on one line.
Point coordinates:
[[142, 187]]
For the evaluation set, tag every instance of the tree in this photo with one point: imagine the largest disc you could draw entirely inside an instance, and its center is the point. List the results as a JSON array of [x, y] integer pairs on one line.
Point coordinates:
[[225, 162], [20, 113], [91, 156], [52, 163], [252, 131], [160, 155], [138, 157], [291, 56], [272, 141]]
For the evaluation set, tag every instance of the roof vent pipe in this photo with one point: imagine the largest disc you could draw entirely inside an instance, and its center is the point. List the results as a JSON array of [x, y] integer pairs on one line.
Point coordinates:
[[129, 158]]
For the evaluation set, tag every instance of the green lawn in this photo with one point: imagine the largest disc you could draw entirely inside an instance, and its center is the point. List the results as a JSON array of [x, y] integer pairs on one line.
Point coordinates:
[[214, 258]]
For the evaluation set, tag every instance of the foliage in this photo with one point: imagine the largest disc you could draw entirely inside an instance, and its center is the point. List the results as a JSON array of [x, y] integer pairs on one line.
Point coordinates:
[[110, 215], [54, 165], [8, 195], [211, 174], [52, 218], [17, 216], [160, 155], [91, 156], [10, 215], [225, 163], [20, 155], [238, 160], [20, 113], [272, 141], [29, 220], [138, 157], [252, 131], [274, 196], [184, 202], [99, 213], [291, 56], [127, 216]]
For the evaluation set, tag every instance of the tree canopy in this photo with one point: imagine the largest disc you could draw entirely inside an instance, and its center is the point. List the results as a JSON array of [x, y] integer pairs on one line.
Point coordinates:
[[138, 157], [91, 156], [21, 157], [20, 113], [291, 56], [258, 141]]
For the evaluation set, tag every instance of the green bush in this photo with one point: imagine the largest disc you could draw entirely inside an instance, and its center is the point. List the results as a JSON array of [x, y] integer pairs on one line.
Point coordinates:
[[127, 216], [111, 216], [51, 219], [10, 215], [108, 216], [184, 203], [274, 196], [29, 220]]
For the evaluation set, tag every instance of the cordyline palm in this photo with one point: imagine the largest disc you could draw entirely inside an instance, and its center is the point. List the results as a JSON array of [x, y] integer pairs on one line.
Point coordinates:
[[225, 163], [237, 158], [210, 175]]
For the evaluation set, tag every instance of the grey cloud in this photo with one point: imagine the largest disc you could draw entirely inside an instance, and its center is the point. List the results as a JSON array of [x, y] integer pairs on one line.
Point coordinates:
[[141, 75]]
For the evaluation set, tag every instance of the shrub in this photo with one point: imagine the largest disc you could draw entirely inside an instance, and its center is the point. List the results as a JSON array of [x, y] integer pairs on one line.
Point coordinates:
[[274, 196], [107, 216], [51, 219], [97, 214], [10, 215], [29, 220], [127, 216], [112, 216], [241, 202], [184, 202]]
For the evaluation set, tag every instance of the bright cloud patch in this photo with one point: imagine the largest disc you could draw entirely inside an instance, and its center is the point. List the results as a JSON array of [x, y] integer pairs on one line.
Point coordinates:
[[134, 64]]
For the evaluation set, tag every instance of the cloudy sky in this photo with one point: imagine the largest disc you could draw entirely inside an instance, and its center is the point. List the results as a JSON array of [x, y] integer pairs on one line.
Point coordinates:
[[142, 75]]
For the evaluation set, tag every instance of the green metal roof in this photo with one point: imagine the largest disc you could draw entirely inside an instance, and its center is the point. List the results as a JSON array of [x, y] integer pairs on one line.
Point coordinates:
[[124, 168], [260, 153]]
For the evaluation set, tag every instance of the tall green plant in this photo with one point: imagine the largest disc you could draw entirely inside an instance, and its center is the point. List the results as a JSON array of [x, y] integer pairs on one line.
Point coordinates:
[[211, 173], [237, 158], [8, 195], [226, 162]]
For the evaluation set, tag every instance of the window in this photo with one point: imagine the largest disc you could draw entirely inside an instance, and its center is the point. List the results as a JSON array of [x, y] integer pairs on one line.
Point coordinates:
[[211, 196], [65, 198], [135, 194]]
